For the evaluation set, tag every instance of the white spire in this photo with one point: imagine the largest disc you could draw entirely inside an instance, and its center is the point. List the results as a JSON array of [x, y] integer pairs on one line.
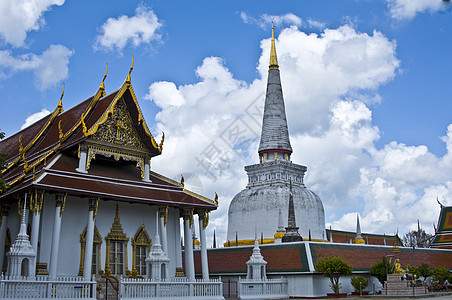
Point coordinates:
[[156, 256], [20, 250]]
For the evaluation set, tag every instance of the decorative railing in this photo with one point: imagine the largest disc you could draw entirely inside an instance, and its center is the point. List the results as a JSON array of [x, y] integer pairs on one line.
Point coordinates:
[[268, 288], [46, 288], [131, 288]]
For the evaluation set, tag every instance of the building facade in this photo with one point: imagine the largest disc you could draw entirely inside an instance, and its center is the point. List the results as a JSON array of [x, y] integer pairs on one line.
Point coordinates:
[[93, 204]]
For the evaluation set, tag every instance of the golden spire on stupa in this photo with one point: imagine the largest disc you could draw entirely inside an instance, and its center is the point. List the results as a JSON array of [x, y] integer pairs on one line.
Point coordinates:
[[273, 59]]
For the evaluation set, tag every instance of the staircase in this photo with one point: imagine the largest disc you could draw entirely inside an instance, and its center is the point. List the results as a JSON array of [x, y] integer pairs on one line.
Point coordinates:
[[109, 288], [396, 285]]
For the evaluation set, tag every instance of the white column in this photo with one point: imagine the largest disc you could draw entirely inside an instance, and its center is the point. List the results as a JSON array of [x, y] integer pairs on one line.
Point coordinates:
[[60, 201], [177, 246], [36, 213], [88, 259], [4, 214], [82, 162], [147, 171], [35, 231], [189, 261], [202, 234], [163, 214]]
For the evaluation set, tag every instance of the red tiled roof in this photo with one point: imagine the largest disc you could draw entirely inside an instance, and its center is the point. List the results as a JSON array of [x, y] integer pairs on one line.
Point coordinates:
[[106, 178]]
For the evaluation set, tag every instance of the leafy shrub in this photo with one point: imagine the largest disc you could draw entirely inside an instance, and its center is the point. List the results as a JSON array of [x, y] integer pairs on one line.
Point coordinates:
[[359, 282], [381, 268], [333, 268]]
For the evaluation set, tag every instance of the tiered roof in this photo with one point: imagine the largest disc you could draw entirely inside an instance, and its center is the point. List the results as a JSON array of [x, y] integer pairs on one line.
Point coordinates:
[[443, 234], [45, 154]]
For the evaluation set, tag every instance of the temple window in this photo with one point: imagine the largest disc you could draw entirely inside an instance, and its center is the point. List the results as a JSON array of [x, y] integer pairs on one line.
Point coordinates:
[[141, 244], [116, 256]]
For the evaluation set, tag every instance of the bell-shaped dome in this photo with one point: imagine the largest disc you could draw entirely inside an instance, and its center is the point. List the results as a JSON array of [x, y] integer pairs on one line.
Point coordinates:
[[258, 207]]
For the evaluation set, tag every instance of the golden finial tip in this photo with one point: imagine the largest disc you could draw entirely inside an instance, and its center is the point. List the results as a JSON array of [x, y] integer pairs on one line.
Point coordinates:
[[60, 103], [130, 71], [273, 59]]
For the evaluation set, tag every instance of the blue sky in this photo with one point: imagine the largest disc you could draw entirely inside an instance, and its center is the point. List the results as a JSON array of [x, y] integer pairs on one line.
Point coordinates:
[[367, 88]]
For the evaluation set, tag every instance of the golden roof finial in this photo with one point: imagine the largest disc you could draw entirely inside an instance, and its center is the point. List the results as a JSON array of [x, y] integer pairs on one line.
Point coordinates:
[[161, 142], [60, 103], [216, 198], [273, 59], [182, 180], [102, 86], [130, 71]]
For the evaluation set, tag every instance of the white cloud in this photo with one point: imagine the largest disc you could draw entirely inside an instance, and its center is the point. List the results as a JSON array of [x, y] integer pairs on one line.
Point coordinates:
[[407, 9], [49, 68], [326, 93], [316, 24], [265, 20], [35, 117], [21, 16], [136, 30]]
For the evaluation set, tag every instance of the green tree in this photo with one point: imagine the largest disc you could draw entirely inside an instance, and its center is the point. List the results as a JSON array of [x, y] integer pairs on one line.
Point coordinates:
[[441, 274], [333, 268], [424, 271], [381, 268], [359, 282], [2, 166]]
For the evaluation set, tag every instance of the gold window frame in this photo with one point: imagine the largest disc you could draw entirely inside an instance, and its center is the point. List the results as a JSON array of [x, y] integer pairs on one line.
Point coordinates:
[[141, 238], [116, 234]]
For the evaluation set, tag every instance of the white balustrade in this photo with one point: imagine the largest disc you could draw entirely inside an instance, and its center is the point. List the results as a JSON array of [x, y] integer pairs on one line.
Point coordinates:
[[179, 288], [270, 288], [45, 288]]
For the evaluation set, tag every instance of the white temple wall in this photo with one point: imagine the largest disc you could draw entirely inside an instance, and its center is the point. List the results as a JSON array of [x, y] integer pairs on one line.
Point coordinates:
[[73, 222]]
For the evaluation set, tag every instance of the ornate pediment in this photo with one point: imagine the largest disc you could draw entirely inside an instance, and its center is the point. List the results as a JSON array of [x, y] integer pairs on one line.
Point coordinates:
[[119, 129], [118, 138]]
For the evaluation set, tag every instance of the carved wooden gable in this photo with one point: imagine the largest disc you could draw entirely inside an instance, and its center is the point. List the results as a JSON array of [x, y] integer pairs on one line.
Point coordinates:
[[118, 129]]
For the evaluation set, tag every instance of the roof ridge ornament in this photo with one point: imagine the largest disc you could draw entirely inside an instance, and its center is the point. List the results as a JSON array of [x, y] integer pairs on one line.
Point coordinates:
[[161, 141], [60, 103], [102, 86], [130, 71]]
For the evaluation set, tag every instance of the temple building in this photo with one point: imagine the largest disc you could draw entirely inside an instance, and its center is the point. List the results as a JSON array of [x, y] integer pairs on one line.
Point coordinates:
[[268, 189], [93, 204], [443, 230]]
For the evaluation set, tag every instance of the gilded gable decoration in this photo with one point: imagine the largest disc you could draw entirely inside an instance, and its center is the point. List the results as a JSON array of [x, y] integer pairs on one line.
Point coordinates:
[[118, 129], [116, 136]]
